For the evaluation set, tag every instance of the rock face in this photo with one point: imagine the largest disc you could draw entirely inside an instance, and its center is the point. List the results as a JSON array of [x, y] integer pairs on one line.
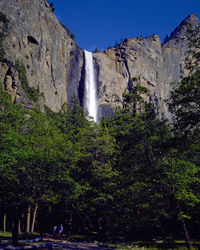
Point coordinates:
[[52, 59], [11, 82], [55, 64], [155, 65]]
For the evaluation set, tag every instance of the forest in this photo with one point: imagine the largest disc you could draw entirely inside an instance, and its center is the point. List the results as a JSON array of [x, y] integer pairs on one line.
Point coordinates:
[[132, 176]]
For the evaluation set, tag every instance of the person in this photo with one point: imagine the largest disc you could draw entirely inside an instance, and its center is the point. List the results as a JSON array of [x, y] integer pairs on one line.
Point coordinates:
[[54, 231], [61, 229]]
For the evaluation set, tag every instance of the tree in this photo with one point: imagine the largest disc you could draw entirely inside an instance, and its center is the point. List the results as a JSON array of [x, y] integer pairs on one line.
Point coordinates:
[[141, 139], [184, 98], [90, 170], [93, 173], [166, 38], [3, 32], [133, 100], [51, 5], [184, 103], [31, 159], [176, 179], [192, 35], [70, 119], [185, 107]]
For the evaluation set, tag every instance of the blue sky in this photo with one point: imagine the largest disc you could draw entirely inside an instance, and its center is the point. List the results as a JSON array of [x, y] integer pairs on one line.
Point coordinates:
[[100, 23]]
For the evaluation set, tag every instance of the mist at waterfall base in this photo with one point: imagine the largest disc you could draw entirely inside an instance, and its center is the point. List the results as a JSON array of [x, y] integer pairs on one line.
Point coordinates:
[[90, 102]]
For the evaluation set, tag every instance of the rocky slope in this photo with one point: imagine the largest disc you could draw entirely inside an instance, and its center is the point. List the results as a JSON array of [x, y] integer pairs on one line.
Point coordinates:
[[55, 64]]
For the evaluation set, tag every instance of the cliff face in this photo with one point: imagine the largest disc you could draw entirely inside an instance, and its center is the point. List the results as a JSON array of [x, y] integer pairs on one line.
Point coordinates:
[[155, 65], [55, 64], [52, 59]]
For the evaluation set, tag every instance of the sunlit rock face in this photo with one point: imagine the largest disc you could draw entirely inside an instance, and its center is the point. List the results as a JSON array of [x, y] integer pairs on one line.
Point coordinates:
[[155, 65], [57, 67], [52, 59], [11, 83]]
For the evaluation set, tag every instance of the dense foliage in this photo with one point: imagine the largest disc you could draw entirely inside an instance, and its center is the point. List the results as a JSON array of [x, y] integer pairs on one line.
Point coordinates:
[[3, 32], [31, 92]]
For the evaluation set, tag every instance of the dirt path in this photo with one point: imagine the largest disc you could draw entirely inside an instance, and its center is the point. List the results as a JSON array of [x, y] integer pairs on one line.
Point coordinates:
[[65, 244]]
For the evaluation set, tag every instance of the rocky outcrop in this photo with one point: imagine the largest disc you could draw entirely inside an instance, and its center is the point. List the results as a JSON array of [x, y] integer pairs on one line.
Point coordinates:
[[9, 77], [155, 65], [52, 59]]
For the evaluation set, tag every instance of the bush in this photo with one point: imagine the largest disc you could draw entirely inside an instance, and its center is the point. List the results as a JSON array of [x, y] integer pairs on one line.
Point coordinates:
[[3, 32], [51, 6], [31, 92]]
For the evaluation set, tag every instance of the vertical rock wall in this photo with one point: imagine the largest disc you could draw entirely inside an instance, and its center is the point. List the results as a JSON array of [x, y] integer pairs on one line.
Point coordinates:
[[52, 59], [55, 64], [155, 65]]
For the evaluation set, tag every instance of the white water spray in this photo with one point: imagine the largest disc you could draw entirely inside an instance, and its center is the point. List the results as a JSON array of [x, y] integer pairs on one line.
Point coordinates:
[[90, 87]]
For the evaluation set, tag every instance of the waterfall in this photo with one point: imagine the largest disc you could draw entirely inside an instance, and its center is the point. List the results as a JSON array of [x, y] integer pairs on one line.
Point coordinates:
[[90, 105]]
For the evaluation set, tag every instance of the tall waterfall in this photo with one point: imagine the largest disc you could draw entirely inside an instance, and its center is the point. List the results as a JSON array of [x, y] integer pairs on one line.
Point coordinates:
[[90, 87]]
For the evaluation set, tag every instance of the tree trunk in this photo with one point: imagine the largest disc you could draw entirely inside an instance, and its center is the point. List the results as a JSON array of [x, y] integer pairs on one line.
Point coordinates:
[[19, 227], [70, 224], [15, 220], [187, 237], [28, 219], [4, 223], [22, 223], [100, 231], [34, 216], [161, 227]]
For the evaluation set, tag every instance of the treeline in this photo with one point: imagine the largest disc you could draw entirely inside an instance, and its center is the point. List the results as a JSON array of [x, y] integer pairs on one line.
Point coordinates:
[[132, 175]]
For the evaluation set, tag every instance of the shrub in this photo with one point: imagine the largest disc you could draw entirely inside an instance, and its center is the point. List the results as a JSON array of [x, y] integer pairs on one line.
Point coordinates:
[[51, 6], [31, 92], [3, 32]]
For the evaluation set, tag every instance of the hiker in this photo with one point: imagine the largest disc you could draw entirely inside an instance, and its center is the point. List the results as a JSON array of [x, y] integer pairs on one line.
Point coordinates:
[[61, 229], [54, 231]]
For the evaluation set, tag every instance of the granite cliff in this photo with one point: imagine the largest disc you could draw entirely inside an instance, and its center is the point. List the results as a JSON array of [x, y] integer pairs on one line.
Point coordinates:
[[52, 59], [155, 65], [55, 64]]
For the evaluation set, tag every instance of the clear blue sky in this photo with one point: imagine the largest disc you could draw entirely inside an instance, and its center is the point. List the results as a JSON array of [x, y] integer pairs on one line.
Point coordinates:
[[100, 23]]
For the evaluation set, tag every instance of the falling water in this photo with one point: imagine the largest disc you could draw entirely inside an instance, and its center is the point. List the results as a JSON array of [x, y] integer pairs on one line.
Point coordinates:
[[90, 87]]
